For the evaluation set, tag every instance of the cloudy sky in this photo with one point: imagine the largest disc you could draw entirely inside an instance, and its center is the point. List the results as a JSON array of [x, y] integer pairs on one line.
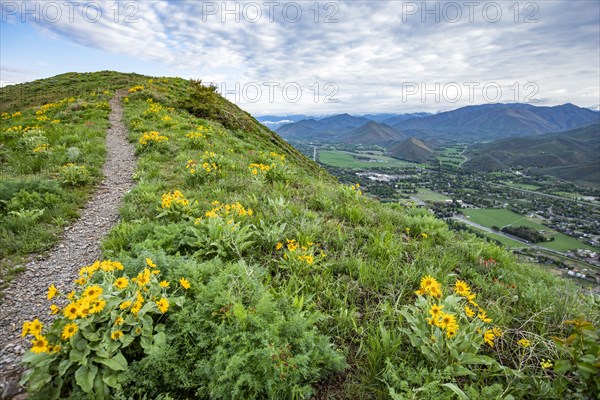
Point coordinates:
[[313, 57]]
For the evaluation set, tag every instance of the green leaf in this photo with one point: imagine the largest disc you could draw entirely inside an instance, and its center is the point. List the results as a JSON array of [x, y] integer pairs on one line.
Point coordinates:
[[84, 377], [587, 368], [562, 366], [127, 340], [64, 366], [33, 358], [459, 370], [79, 356], [111, 379], [116, 363], [458, 391], [474, 359]]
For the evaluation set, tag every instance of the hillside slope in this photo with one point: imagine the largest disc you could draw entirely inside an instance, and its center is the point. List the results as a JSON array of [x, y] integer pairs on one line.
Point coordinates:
[[411, 149], [261, 277], [372, 133], [554, 154], [496, 121], [326, 128]]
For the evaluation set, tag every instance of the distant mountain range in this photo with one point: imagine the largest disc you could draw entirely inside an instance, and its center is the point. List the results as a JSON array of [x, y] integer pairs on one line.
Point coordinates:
[[571, 155], [474, 123]]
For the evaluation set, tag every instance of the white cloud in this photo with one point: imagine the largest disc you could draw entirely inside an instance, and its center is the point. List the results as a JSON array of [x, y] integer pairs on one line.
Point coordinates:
[[371, 53]]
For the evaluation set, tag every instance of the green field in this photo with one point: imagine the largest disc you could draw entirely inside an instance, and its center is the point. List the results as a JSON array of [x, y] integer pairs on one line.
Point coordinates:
[[521, 186], [509, 243], [429, 195], [449, 160], [489, 217], [575, 196], [344, 159], [500, 217]]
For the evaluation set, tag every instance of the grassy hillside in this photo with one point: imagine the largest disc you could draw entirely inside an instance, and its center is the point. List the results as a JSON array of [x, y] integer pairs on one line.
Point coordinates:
[[280, 283], [51, 151], [570, 155]]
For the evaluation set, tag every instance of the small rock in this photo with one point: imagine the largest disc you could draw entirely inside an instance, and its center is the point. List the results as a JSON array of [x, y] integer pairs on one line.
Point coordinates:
[[11, 389]]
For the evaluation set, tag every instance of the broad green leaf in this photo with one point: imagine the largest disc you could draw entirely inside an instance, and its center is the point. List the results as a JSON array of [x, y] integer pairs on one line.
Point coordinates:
[[587, 368], [459, 370], [461, 395], [116, 363], [562, 366], [476, 359], [64, 366], [84, 377]]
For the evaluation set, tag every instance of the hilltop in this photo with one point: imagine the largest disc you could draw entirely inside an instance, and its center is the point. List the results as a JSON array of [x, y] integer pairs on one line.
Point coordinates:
[[241, 269]]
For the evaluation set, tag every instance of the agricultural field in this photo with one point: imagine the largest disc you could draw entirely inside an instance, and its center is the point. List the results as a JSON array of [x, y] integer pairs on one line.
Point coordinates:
[[425, 194], [343, 159], [521, 186], [500, 217], [507, 242], [450, 155]]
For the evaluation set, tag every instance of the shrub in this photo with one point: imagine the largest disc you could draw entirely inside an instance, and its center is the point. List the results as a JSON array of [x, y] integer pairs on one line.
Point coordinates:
[[449, 332], [152, 140], [579, 371], [108, 321], [74, 175], [234, 340]]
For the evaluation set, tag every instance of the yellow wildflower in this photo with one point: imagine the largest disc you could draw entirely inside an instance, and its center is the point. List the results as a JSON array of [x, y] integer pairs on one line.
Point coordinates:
[[93, 292], [163, 305], [39, 345], [184, 283], [69, 330], [164, 284], [462, 288], [121, 283], [489, 337], [116, 335], [52, 291], [71, 311], [97, 306]]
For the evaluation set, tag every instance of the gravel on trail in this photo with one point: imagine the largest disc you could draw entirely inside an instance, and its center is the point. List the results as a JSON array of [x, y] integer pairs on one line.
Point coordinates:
[[25, 298]]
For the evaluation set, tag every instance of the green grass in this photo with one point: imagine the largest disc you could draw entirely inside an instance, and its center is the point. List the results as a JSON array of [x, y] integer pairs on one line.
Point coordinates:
[[343, 159], [521, 186], [368, 260], [499, 217], [449, 160], [45, 125], [575, 196], [507, 242], [429, 195]]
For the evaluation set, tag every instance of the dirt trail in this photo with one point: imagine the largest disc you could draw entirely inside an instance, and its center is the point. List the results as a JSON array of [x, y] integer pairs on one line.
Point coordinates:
[[25, 298]]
